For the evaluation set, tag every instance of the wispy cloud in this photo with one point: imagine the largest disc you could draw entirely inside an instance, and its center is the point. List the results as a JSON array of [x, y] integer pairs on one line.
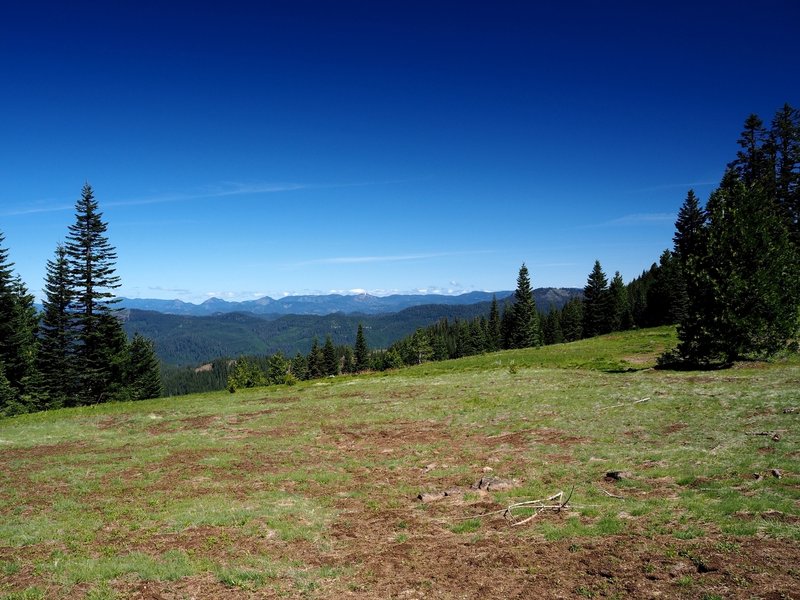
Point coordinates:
[[222, 190], [353, 260]]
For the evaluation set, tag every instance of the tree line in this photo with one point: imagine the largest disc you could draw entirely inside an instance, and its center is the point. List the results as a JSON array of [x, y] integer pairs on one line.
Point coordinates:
[[75, 352], [731, 284]]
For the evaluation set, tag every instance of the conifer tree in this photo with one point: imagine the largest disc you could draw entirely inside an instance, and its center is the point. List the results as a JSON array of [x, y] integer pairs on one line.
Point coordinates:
[[330, 362], [361, 351], [18, 324], [571, 318], [144, 373], [299, 367], [620, 308], [91, 260], [56, 340], [494, 338], [524, 320], [596, 305], [752, 271], [316, 361]]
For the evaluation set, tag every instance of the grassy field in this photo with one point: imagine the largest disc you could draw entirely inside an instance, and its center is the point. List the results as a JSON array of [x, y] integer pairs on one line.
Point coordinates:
[[312, 490]]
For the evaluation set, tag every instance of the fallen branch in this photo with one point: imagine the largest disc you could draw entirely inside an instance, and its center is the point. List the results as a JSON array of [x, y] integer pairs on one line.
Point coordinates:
[[538, 505], [607, 493]]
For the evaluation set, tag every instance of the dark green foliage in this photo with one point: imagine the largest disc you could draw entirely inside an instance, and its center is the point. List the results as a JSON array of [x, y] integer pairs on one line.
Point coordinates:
[[753, 272], [299, 367], [494, 335], [740, 257], [246, 374], [277, 368], [523, 325], [348, 359], [552, 333], [98, 348], [55, 334], [784, 153], [18, 324], [143, 376], [620, 311], [596, 303], [330, 362], [571, 319], [316, 361], [361, 351]]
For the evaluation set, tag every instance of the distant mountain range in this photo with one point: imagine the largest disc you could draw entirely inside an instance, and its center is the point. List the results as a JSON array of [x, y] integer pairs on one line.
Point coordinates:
[[365, 304], [187, 339]]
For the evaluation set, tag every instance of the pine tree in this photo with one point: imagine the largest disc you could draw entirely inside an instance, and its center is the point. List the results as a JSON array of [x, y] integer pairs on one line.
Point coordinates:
[[330, 361], [143, 372], [316, 361], [56, 340], [361, 351], [618, 299], [92, 280], [277, 368], [784, 146], [571, 318], [18, 325], [299, 367], [752, 271], [596, 305], [524, 320], [494, 337]]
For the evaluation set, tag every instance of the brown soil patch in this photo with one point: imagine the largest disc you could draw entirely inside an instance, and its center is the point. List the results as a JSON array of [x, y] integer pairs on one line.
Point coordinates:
[[673, 428]]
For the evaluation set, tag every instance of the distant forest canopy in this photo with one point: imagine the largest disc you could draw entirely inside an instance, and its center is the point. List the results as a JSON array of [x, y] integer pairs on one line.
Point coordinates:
[[731, 283], [184, 340]]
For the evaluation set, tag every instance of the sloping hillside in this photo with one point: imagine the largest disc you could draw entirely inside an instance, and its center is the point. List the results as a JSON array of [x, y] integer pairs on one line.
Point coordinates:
[[649, 483]]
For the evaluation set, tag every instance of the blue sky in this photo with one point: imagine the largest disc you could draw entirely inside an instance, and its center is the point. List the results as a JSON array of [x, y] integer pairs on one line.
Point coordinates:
[[248, 149]]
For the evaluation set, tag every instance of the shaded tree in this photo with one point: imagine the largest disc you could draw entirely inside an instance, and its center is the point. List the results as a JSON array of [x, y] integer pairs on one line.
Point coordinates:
[[55, 334], [596, 305], [361, 350], [91, 260], [523, 327], [143, 372]]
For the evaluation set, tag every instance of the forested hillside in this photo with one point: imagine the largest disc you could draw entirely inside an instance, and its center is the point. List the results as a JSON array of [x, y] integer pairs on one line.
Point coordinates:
[[187, 340]]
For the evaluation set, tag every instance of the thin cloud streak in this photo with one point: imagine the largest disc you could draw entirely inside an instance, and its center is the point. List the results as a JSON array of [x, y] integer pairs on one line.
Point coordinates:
[[353, 260], [225, 190]]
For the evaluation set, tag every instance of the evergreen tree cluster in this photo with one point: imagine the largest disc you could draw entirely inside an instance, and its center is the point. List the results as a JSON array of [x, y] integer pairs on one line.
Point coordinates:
[[327, 360], [740, 254], [75, 352]]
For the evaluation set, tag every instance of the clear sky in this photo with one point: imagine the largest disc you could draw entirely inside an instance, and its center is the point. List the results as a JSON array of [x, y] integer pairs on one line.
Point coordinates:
[[242, 149]]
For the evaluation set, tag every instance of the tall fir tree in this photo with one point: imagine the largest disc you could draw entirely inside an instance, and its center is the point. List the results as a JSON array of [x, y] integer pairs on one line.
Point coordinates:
[[619, 307], [753, 271], [18, 324], [596, 305], [524, 326], [494, 336], [784, 149], [143, 375], [571, 319], [91, 260], [55, 335], [361, 350], [330, 361], [316, 361]]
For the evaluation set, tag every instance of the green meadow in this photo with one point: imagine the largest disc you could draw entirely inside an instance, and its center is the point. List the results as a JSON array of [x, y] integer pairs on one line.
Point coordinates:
[[311, 490]]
